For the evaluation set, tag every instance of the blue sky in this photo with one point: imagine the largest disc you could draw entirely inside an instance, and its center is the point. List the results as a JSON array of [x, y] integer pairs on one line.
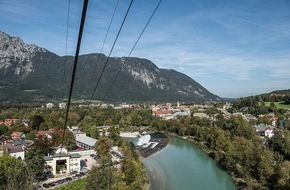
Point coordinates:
[[233, 48]]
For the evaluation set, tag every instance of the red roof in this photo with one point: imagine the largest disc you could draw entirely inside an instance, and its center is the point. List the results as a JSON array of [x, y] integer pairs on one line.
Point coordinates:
[[41, 133], [162, 112], [269, 129], [16, 134]]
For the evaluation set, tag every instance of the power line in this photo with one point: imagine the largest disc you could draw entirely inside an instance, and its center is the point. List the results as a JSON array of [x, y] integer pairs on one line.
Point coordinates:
[[84, 11], [107, 60], [132, 49], [95, 68], [66, 42]]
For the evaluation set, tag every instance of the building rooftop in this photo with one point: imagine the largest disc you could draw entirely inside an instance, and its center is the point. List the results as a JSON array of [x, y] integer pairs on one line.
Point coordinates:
[[86, 140], [11, 148]]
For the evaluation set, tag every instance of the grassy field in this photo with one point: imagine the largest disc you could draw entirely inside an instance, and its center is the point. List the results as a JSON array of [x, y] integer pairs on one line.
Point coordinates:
[[279, 105], [74, 185]]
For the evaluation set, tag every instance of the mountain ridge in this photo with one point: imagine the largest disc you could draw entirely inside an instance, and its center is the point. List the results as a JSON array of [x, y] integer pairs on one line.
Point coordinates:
[[36, 73]]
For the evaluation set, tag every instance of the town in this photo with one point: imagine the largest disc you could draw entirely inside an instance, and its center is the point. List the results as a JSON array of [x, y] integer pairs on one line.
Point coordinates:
[[68, 159]]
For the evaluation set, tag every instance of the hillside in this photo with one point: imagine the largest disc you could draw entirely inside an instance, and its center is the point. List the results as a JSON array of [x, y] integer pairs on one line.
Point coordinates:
[[282, 92], [32, 73]]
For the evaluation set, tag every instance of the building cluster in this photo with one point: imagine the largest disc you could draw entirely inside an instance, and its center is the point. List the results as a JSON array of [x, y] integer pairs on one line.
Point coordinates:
[[169, 111], [58, 160], [50, 105], [263, 130]]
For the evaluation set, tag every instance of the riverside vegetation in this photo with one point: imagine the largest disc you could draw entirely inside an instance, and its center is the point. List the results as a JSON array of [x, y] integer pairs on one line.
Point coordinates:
[[253, 163]]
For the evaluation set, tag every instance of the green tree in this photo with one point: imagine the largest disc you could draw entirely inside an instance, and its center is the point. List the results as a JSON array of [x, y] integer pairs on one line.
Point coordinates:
[[281, 143], [103, 147], [283, 176], [14, 174], [272, 107], [93, 131], [35, 161], [211, 111], [220, 121], [30, 135], [36, 121], [92, 179], [42, 144], [3, 129], [73, 118], [287, 99], [43, 126], [265, 166], [114, 134], [69, 140], [100, 178], [240, 127]]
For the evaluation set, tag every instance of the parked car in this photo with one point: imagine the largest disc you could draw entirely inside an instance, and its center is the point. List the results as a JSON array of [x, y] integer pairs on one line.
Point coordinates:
[[45, 185], [73, 172]]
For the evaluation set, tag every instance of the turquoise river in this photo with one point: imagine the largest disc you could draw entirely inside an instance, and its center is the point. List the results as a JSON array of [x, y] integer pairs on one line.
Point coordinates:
[[181, 165]]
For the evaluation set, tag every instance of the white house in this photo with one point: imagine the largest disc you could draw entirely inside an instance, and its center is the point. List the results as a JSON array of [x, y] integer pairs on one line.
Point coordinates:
[[269, 132], [61, 161], [49, 105], [264, 130], [15, 149], [62, 105]]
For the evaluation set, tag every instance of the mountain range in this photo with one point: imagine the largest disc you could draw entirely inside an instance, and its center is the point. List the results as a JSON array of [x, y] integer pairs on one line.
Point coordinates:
[[32, 73]]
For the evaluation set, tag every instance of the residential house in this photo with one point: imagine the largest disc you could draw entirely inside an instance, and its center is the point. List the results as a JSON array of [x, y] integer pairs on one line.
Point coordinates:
[[103, 130], [17, 135], [9, 122], [264, 130], [15, 149], [62, 105], [161, 113], [269, 132], [43, 134], [49, 105], [274, 120], [124, 105]]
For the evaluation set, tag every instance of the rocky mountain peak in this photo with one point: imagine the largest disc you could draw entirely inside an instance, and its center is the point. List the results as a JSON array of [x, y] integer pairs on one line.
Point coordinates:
[[14, 51]]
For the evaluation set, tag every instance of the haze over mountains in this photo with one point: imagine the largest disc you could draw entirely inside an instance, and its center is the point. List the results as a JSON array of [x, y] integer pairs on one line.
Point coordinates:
[[29, 72]]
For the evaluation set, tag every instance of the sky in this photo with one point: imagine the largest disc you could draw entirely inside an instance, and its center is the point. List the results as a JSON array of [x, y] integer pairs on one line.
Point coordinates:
[[233, 48]]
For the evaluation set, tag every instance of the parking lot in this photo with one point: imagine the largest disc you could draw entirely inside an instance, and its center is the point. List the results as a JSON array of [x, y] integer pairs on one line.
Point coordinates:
[[53, 182]]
